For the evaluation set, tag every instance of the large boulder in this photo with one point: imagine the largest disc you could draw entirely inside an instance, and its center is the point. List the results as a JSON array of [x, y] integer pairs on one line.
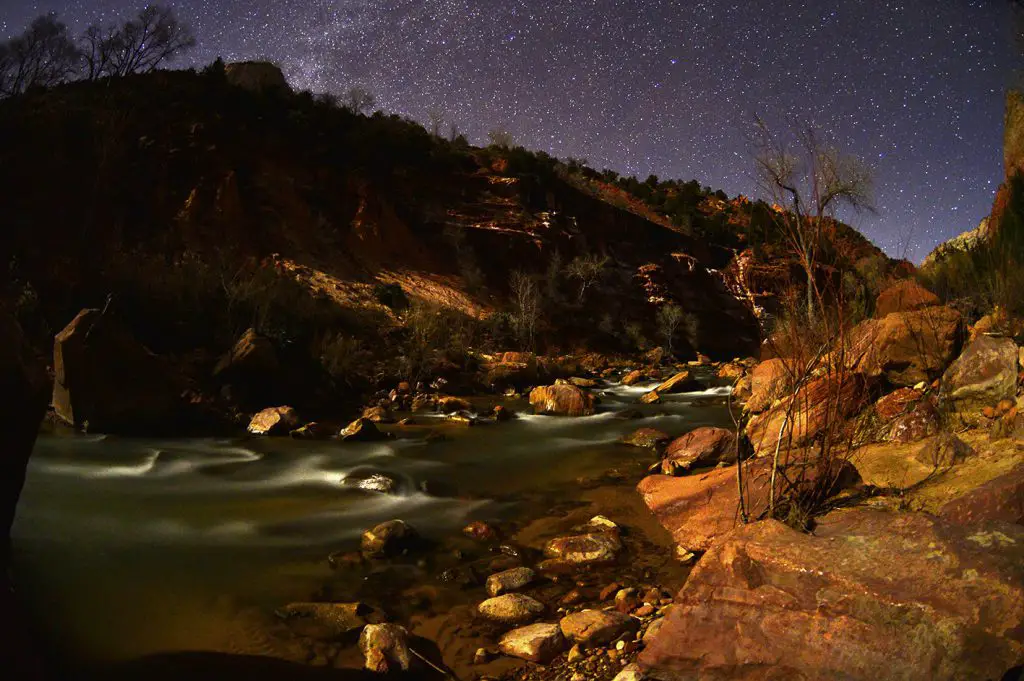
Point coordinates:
[[274, 421], [258, 76], [561, 400], [800, 418], [697, 509], [1000, 499], [907, 347], [682, 382], [593, 548], [905, 295], [107, 382], [982, 376], [769, 381], [704, 446], [252, 369], [871, 595], [26, 390], [906, 415]]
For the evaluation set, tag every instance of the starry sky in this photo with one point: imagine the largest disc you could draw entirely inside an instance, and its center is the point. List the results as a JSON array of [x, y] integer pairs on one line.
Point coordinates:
[[669, 87]]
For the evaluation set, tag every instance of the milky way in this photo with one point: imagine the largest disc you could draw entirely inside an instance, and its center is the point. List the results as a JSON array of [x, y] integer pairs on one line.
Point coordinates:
[[914, 87]]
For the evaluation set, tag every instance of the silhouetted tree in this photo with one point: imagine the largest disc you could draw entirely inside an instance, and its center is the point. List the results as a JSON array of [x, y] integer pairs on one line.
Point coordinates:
[[359, 100], [140, 45], [43, 56], [501, 138], [436, 118]]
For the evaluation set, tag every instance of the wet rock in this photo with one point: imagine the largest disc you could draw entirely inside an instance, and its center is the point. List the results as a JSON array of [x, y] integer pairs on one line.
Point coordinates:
[[651, 398], [574, 597], [509, 580], [682, 382], [482, 656], [502, 414], [701, 447], [627, 600], [480, 531], [585, 383], [633, 377], [769, 381], [274, 421], [595, 548], [105, 381], [816, 403], [511, 609], [326, 621], [984, 374], [575, 653], [596, 627], [423, 403], [904, 296], [372, 480], [1000, 499], [646, 438], [385, 648], [314, 430], [872, 594], [378, 415], [536, 642], [448, 405], [389, 538], [561, 400], [361, 430], [731, 371], [461, 419], [628, 414], [944, 451], [907, 347]]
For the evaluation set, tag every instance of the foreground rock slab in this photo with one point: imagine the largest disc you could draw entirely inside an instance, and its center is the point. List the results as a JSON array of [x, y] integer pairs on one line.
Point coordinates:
[[873, 595], [596, 627], [536, 642]]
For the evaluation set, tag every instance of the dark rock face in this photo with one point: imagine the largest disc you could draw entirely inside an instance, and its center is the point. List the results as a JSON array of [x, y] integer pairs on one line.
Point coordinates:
[[982, 376], [873, 595], [26, 389], [107, 382]]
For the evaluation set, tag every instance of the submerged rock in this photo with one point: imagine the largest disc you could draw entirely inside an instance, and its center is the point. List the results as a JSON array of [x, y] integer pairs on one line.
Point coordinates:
[[511, 609], [871, 595], [480, 531], [389, 538], [372, 481], [385, 648], [646, 438], [326, 621], [595, 548], [536, 642]]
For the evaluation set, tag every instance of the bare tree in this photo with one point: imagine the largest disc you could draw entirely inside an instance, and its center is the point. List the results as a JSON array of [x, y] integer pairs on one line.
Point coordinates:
[[453, 132], [359, 100], [670, 316], [813, 180], [43, 56], [588, 269], [501, 138], [436, 118], [526, 304], [140, 45]]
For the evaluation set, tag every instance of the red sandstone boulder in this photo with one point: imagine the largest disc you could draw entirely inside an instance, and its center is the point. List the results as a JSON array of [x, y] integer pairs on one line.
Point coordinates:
[[769, 381], [906, 415], [682, 382], [904, 296], [697, 509], [812, 407], [907, 347], [871, 595], [700, 447], [984, 375], [561, 400]]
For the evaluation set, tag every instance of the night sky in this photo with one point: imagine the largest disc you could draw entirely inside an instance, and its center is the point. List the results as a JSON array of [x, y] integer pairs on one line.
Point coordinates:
[[915, 87]]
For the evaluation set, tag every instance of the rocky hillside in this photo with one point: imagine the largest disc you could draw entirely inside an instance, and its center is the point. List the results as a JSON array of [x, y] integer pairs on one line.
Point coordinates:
[[191, 209]]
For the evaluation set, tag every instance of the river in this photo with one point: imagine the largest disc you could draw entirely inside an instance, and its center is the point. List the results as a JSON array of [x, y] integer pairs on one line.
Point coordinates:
[[129, 547]]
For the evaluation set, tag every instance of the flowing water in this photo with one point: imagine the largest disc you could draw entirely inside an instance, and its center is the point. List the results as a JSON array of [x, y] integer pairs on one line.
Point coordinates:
[[129, 547]]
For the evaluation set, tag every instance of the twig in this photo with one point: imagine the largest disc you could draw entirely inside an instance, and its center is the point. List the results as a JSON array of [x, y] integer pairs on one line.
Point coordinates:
[[433, 666]]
